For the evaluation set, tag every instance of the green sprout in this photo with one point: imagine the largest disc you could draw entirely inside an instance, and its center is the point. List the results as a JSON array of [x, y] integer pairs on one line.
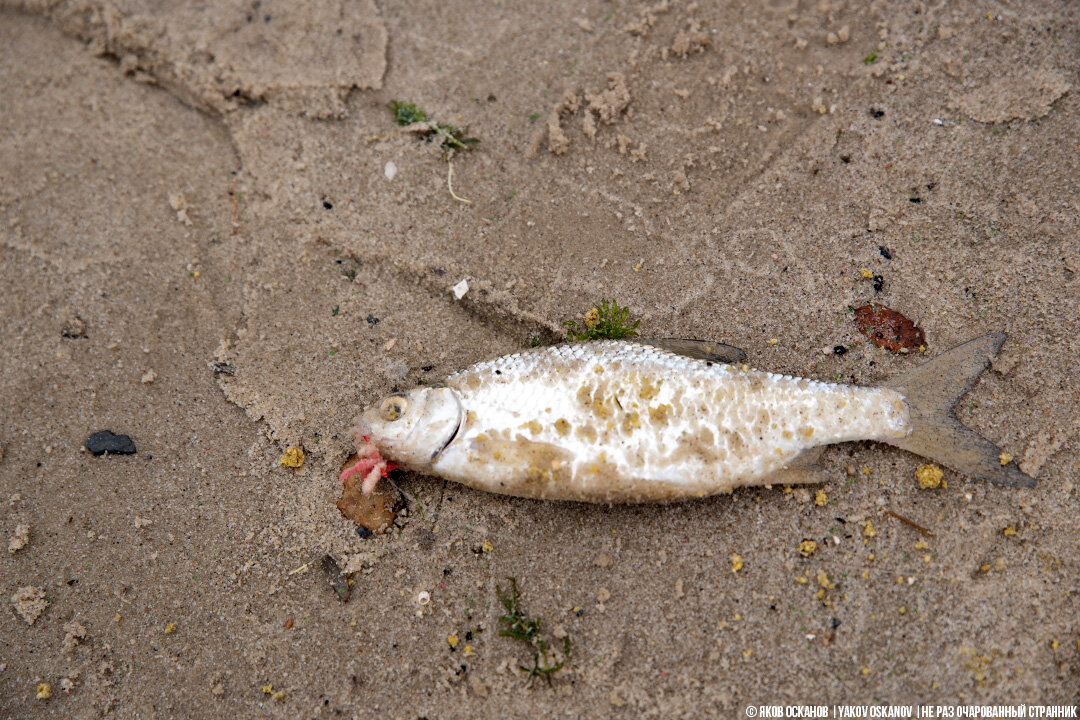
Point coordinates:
[[871, 58], [603, 322], [406, 113], [451, 137], [515, 624]]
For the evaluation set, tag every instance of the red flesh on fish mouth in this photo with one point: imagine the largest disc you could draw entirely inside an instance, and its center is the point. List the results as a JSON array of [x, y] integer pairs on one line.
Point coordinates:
[[371, 465]]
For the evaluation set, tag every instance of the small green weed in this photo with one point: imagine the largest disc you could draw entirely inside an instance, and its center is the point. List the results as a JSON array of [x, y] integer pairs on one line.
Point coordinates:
[[603, 322], [515, 624], [451, 137], [871, 58], [406, 113]]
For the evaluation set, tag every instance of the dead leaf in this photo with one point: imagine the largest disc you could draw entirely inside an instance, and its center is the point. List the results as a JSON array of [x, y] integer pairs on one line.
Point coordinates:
[[889, 329]]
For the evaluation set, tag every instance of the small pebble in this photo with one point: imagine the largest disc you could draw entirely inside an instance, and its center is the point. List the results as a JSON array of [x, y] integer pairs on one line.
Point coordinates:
[[390, 170], [839, 350], [460, 289], [105, 441]]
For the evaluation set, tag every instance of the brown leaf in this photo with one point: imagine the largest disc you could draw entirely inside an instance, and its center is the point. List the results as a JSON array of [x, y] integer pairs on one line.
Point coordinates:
[[376, 511], [889, 329]]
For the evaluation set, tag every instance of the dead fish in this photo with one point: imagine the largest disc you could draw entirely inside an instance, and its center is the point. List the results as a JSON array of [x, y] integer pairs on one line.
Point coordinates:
[[647, 421]]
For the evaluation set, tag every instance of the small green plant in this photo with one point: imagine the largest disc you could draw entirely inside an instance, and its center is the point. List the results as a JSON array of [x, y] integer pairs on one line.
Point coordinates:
[[451, 137], [515, 624], [871, 58], [603, 322], [406, 113]]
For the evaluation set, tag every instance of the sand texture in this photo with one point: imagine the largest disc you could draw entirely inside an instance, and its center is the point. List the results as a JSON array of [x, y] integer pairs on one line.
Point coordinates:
[[215, 240]]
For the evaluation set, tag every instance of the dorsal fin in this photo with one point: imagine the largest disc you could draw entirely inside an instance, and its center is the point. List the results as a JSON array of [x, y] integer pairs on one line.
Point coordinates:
[[697, 349]]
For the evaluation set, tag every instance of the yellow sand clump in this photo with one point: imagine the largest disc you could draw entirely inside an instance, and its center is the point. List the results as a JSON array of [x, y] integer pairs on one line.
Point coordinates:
[[929, 476], [292, 458]]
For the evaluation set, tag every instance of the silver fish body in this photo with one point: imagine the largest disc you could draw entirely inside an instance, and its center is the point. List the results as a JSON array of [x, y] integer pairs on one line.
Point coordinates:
[[615, 421]]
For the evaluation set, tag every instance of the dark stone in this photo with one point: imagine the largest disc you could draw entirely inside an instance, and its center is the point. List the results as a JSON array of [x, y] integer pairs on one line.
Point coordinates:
[[224, 368], [105, 441], [879, 283], [372, 320], [884, 252], [328, 205], [876, 114], [839, 349], [363, 532]]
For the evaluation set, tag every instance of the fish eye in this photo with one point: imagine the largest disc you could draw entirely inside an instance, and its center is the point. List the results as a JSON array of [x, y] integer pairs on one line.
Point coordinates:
[[393, 407]]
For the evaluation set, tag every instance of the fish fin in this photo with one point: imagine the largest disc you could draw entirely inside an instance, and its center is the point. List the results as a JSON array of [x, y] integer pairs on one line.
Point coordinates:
[[697, 349], [931, 390], [805, 469]]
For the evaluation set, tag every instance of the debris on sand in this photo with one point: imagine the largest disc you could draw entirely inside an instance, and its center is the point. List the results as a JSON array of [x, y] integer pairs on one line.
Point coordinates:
[[340, 583], [20, 539], [889, 329], [30, 602], [74, 633], [374, 512], [293, 457], [105, 441], [929, 476]]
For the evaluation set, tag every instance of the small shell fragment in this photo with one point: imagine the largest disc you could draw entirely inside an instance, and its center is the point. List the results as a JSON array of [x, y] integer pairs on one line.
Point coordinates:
[[390, 170], [460, 289]]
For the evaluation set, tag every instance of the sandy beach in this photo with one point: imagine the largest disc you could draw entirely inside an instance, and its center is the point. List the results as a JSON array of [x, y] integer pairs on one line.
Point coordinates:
[[216, 239]]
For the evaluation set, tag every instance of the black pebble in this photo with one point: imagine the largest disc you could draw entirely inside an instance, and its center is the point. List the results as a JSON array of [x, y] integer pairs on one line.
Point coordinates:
[[428, 368], [875, 113], [839, 349], [879, 282], [363, 532], [884, 252], [372, 320], [105, 441], [328, 205]]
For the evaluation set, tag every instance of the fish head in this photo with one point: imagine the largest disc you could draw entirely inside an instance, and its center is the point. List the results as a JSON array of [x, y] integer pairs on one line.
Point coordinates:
[[413, 427]]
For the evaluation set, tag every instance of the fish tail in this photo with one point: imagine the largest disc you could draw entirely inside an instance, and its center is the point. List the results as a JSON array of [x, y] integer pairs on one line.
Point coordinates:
[[931, 390]]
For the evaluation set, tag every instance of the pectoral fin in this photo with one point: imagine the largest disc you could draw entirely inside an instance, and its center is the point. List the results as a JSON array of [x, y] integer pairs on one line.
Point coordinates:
[[805, 469], [697, 349]]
